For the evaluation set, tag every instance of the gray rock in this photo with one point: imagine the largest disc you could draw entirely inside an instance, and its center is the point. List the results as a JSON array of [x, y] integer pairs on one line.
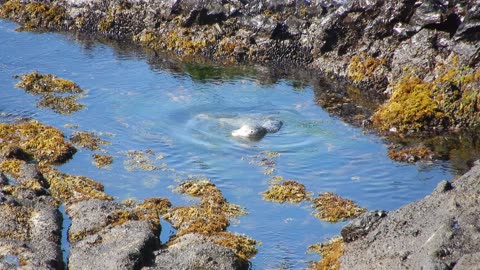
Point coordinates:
[[193, 251], [127, 246], [361, 225], [433, 233]]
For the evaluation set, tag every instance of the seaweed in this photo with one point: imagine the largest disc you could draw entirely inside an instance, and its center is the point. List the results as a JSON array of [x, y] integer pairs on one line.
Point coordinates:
[[55, 93], [46, 144], [210, 217], [410, 154], [362, 67], [288, 191], [449, 99], [332, 208], [331, 252], [87, 139], [102, 161], [68, 189]]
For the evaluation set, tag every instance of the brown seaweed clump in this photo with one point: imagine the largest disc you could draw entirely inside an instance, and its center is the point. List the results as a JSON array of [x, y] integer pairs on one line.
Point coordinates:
[[210, 217], [331, 207], [87, 139], [151, 209], [68, 189], [102, 161], [331, 253], [46, 144], [411, 154], [288, 191], [55, 93]]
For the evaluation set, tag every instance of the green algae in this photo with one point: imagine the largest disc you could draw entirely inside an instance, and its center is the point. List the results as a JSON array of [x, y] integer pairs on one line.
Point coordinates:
[[288, 191], [331, 252], [332, 208]]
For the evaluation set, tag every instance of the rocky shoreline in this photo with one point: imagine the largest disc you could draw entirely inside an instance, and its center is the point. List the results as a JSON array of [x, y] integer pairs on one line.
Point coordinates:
[[422, 58]]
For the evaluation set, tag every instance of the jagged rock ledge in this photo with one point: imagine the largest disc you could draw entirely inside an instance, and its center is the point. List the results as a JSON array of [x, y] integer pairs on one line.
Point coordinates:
[[423, 54], [440, 231]]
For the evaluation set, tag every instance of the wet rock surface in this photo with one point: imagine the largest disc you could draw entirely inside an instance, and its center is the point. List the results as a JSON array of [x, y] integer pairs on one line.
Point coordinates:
[[441, 231]]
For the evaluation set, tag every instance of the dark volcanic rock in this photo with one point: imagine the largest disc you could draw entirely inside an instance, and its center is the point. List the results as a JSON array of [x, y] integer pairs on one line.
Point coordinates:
[[361, 225], [437, 232]]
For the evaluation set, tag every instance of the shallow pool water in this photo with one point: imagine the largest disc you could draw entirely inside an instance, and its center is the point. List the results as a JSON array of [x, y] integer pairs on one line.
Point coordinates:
[[185, 117]]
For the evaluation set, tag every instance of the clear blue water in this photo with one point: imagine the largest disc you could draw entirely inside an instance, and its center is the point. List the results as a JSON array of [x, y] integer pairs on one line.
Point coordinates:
[[189, 120]]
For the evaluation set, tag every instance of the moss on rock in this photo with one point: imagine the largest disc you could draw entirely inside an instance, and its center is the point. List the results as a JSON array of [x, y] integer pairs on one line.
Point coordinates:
[[449, 99]]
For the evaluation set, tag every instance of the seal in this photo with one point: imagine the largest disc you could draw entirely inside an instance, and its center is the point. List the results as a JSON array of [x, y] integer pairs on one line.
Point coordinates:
[[253, 132], [257, 132]]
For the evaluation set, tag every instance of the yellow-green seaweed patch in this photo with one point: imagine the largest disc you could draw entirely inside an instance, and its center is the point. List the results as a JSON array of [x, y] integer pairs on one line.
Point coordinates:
[[70, 189], [288, 191], [410, 154], [58, 94], [331, 253], [61, 105], [34, 15], [333, 208], [448, 99], [11, 167], [210, 217], [243, 246], [45, 143], [362, 67], [102, 161], [40, 84], [87, 139]]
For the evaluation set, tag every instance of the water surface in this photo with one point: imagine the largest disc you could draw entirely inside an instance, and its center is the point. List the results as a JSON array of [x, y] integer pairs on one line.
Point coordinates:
[[186, 117]]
